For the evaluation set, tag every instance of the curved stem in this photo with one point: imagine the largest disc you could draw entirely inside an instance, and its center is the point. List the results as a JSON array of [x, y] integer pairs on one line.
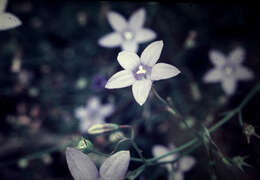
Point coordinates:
[[214, 127]]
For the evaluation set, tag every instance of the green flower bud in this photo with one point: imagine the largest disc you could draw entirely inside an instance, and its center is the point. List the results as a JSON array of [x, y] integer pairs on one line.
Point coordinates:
[[84, 145], [102, 128]]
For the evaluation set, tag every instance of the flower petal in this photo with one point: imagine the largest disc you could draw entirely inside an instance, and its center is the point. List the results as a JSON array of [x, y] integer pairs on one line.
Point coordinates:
[[113, 39], [80, 112], [3, 5], [213, 75], [178, 175], [144, 35], [141, 89], [93, 103], [229, 85], [80, 165], [151, 53], [130, 46], [107, 109], [217, 58], [163, 71], [243, 73], [159, 150], [121, 79], [237, 55], [115, 167], [9, 21], [128, 60], [117, 21], [186, 163], [137, 19]]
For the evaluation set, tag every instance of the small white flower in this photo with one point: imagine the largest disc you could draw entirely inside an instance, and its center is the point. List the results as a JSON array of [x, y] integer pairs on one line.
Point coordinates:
[[127, 34], [93, 113], [184, 164], [7, 20], [141, 72], [228, 69], [82, 168]]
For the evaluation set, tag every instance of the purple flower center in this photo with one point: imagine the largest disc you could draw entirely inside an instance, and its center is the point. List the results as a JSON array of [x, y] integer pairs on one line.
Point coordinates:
[[142, 72]]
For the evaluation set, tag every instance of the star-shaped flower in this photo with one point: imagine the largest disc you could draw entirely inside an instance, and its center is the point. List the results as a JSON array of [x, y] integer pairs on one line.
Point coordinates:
[[7, 20], [127, 34], [228, 69], [82, 168], [183, 165], [141, 72], [93, 113]]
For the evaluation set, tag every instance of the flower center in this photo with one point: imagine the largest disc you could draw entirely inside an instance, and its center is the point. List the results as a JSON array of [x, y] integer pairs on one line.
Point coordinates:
[[228, 70], [128, 35], [141, 70]]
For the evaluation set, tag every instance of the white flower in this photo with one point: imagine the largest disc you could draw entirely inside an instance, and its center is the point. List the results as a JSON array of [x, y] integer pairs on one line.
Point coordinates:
[[127, 34], [93, 113], [184, 164], [228, 69], [7, 20], [82, 168], [141, 72]]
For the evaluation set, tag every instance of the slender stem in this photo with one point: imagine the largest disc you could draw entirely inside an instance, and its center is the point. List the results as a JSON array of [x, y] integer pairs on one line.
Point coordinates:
[[240, 118], [138, 150], [214, 127], [107, 155], [169, 108]]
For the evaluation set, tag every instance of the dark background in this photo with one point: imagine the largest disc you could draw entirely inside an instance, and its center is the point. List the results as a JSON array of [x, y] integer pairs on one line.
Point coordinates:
[[37, 103]]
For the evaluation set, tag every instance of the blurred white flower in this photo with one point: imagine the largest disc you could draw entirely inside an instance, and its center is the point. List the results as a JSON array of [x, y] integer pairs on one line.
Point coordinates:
[[81, 166], [7, 20], [127, 34], [93, 113], [180, 167], [141, 72], [228, 69]]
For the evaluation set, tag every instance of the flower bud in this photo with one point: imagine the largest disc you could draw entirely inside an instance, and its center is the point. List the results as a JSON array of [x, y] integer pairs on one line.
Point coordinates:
[[116, 136], [249, 131], [102, 128], [84, 145]]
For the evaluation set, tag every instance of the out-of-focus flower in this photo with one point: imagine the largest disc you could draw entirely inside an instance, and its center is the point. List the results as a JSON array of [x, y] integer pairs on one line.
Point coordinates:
[[228, 69], [98, 82], [7, 20], [127, 34], [141, 72], [81, 166], [184, 164], [81, 83], [93, 113]]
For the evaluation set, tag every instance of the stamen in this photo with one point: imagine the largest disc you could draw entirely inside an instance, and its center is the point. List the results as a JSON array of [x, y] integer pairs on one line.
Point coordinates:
[[141, 70], [228, 70], [128, 35]]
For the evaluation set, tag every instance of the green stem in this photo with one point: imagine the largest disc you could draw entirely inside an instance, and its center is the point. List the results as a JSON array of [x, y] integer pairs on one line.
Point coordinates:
[[214, 127]]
